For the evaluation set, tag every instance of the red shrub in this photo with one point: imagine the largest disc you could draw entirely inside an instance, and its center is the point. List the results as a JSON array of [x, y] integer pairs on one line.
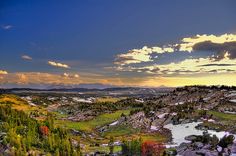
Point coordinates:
[[152, 148], [44, 130]]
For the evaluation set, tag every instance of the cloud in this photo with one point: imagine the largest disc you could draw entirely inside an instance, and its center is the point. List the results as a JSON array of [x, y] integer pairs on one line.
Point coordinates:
[[228, 48], [220, 44], [26, 57], [189, 42], [57, 64], [3, 72], [76, 76], [41, 78], [140, 55], [224, 64], [65, 75], [196, 55], [6, 27], [188, 66], [29, 79], [70, 75], [38, 78], [134, 56]]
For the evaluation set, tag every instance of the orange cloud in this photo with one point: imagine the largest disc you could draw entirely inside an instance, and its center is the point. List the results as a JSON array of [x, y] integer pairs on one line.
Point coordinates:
[[147, 81], [37, 78]]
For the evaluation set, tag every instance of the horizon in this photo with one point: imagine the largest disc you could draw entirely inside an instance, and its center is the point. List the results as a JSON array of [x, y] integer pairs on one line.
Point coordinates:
[[117, 43], [98, 86]]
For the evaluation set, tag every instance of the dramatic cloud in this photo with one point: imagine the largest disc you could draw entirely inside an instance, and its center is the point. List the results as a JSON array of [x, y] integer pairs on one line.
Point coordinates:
[[217, 54], [188, 43], [57, 64], [6, 27], [187, 67], [26, 57], [221, 49], [219, 44], [3, 72]]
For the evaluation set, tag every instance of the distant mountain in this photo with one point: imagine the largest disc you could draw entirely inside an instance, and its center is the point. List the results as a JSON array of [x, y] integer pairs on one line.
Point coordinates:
[[96, 86], [102, 91], [57, 86], [94, 89], [82, 85]]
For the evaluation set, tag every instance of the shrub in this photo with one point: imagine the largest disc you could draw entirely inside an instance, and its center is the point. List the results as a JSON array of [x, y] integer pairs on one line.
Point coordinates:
[[44, 130], [151, 148]]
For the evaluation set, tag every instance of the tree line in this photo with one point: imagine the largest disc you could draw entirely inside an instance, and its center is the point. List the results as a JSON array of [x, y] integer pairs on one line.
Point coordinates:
[[23, 135]]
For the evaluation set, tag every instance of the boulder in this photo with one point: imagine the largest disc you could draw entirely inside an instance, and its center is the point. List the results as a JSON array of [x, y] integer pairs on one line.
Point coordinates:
[[190, 137], [189, 153], [199, 145]]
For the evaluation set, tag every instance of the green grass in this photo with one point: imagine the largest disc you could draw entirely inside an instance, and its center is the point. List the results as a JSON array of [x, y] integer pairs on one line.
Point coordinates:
[[103, 149], [223, 116], [90, 125], [59, 115], [153, 137], [108, 99], [125, 131], [20, 104], [120, 130], [225, 122], [12, 99], [214, 126]]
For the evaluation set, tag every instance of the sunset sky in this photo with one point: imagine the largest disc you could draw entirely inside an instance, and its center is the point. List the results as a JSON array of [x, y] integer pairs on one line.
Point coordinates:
[[117, 42]]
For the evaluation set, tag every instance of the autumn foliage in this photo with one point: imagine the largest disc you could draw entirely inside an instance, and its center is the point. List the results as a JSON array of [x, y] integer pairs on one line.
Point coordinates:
[[44, 130], [152, 148]]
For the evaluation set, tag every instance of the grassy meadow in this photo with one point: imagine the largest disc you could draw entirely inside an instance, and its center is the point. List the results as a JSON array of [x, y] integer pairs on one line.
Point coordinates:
[[90, 125]]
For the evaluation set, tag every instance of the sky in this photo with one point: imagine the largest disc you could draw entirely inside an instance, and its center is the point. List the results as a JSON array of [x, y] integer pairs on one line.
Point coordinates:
[[117, 42]]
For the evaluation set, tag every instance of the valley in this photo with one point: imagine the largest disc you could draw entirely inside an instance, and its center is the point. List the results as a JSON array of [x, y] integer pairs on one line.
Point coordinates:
[[192, 120]]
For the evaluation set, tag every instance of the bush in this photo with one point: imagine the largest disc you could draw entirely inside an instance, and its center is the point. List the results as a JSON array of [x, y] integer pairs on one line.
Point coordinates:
[[151, 148], [226, 140]]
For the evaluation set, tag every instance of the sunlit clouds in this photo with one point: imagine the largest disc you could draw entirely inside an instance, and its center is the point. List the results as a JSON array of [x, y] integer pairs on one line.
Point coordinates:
[[57, 64], [38, 78], [188, 43], [218, 56], [27, 78], [140, 55], [188, 67], [219, 44], [48, 79], [76, 75], [200, 59], [3, 72], [71, 75]]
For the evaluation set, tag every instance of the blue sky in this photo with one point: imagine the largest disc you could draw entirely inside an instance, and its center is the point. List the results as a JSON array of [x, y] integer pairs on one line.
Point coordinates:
[[88, 35]]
